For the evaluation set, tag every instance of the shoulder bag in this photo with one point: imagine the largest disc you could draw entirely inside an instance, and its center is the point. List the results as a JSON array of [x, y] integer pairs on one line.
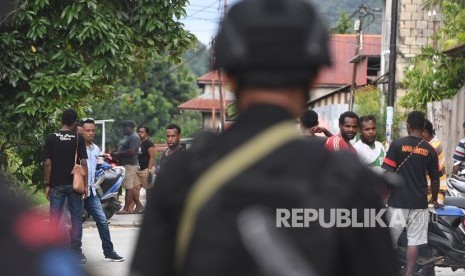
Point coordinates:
[[78, 172]]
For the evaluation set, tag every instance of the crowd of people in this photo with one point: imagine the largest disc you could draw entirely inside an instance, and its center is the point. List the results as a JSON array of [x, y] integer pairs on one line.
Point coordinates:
[[211, 211]]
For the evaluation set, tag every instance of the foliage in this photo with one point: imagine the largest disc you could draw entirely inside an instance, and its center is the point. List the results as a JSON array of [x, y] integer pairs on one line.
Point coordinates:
[[431, 4], [433, 76], [453, 29], [197, 60], [68, 53], [344, 25], [152, 103], [367, 101]]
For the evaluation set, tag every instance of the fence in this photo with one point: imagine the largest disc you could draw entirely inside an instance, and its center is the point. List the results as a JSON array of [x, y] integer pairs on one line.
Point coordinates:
[[447, 117]]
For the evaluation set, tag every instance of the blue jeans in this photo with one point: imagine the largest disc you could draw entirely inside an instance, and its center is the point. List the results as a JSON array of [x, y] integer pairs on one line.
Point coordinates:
[[94, 208], [58, 195]]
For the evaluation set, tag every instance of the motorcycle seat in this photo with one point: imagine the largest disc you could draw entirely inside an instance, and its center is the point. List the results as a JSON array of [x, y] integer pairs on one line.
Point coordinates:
[[455, 201], [457, 184]]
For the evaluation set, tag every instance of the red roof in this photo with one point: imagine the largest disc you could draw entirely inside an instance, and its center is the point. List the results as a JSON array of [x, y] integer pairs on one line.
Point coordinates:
[[205, 102], [342, 47], [210, 77]]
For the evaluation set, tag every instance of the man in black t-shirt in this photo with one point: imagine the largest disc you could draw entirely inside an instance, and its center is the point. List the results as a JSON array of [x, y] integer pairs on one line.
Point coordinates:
[[173, 138], [61, 148], [146, 160], [412, 158]]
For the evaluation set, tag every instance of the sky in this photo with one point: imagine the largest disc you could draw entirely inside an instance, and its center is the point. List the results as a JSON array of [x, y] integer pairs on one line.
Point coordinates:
[[203, 17]]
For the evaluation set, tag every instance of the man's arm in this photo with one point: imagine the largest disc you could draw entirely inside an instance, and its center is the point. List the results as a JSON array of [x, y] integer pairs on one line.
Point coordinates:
[[86, 175], [48, 173], [434, 190], [151, 152]]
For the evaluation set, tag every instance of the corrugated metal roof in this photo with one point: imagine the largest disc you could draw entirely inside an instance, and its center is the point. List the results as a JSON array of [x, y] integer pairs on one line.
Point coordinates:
[[342, 47]]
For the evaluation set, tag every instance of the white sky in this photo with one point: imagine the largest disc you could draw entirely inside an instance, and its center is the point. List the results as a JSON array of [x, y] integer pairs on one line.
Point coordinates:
[[203, 17]]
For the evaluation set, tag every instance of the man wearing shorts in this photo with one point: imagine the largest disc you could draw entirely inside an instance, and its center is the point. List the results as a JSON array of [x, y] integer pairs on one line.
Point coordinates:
[[412, 158], [127, 156], [146, 158]]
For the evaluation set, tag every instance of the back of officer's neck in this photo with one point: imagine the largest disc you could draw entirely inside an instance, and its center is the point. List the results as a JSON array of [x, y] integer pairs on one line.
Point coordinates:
[[292, 100]]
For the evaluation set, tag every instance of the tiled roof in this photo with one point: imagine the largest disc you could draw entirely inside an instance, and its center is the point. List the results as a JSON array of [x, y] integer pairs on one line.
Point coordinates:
[[206, 102]]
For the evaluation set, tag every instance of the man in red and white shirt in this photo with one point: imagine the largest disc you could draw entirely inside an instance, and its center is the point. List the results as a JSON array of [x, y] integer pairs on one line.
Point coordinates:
[[348, 125]]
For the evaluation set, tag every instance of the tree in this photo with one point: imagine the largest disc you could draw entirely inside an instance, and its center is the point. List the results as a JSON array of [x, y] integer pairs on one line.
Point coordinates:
[[152, 102], [367, 101], [344, 24], [433, 76], [67, 53]]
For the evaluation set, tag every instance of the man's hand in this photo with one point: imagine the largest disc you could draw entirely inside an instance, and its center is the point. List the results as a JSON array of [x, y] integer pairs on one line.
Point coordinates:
[[435, 204], [47, 192]]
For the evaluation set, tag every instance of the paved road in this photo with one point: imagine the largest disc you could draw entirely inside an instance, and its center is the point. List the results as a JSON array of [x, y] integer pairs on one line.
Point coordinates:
[[124, 240]]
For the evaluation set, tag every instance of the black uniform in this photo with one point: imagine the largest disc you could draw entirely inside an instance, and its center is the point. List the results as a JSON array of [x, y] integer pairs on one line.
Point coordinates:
[[300, 174]]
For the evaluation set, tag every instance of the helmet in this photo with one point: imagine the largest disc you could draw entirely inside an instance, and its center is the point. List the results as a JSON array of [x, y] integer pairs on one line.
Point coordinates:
[[272, 43]]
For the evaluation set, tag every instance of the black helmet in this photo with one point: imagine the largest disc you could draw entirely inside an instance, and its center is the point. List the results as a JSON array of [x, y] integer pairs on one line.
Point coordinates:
[[272, 43]]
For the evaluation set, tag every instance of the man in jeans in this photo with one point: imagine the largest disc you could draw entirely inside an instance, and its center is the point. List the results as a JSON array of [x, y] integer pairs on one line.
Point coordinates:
[[412, 158], [127, 156], [61, 149], [92, 202]]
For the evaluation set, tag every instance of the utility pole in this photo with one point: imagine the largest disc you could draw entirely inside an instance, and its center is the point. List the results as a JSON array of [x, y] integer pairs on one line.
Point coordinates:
[[392, 72], [221, 83], [363, 11]]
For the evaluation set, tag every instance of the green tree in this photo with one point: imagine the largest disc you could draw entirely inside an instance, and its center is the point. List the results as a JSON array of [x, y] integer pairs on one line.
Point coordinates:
[[367, 101], [68, 53], [433, 76], [198, 60], [152, 102], [344, 25]]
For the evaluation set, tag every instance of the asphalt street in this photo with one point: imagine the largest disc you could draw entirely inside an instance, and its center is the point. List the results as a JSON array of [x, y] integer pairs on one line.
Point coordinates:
[[124, 230]]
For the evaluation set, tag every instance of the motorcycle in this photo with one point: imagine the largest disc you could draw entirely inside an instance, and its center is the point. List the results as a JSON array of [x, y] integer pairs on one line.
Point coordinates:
[[456, 183], [446, 240], [108, 179]]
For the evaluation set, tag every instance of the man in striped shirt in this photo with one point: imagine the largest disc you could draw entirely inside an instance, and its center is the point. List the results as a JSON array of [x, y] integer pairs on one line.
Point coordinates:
[[459, 154]]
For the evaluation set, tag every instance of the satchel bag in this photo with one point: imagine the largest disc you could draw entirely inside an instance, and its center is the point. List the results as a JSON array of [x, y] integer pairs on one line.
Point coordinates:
[[78, 173]]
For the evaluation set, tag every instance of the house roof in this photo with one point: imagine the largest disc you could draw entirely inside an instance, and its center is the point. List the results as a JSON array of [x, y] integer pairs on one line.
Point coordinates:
[[342, 48], [211, 76], [206, 102]]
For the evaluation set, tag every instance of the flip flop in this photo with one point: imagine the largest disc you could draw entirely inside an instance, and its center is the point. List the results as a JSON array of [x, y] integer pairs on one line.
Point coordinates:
[[139, 210], [123, 212]]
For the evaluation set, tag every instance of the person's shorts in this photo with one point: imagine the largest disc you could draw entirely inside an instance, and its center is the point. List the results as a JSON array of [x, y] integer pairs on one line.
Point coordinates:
[[129, 179], [142, 178], [415, 220]]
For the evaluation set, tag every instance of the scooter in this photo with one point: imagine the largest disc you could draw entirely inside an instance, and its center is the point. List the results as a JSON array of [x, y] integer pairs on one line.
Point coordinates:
[[108, 179], [446, 240], [456, 183]]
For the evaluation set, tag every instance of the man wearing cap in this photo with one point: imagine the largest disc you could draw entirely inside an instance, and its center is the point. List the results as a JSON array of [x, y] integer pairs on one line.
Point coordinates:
[[127, 157], [62, 149], [218, 208]]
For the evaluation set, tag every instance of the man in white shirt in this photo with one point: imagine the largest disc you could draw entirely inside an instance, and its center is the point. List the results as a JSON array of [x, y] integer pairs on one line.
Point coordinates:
[[370, 151]]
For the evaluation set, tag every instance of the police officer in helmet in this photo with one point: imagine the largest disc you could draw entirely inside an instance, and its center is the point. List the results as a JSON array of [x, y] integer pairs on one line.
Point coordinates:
[[271, 51]]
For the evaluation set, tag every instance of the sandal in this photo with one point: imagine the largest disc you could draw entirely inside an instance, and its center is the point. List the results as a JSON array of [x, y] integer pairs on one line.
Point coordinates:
[[123, 212], [139, 210]]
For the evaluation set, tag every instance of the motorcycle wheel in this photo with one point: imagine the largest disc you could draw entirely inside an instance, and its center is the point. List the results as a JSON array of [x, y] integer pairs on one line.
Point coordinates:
[[111, 208]]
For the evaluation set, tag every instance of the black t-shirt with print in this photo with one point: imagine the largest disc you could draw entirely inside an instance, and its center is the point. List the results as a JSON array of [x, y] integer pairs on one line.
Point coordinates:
[[144, 156], [423, 160], [60, 148]]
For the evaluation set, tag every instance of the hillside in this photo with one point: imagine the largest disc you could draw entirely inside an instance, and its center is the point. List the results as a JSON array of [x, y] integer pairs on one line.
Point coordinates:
[[331, 10]]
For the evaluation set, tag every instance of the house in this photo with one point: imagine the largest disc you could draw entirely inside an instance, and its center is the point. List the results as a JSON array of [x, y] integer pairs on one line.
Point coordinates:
[[209, 101], [331, 93]]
